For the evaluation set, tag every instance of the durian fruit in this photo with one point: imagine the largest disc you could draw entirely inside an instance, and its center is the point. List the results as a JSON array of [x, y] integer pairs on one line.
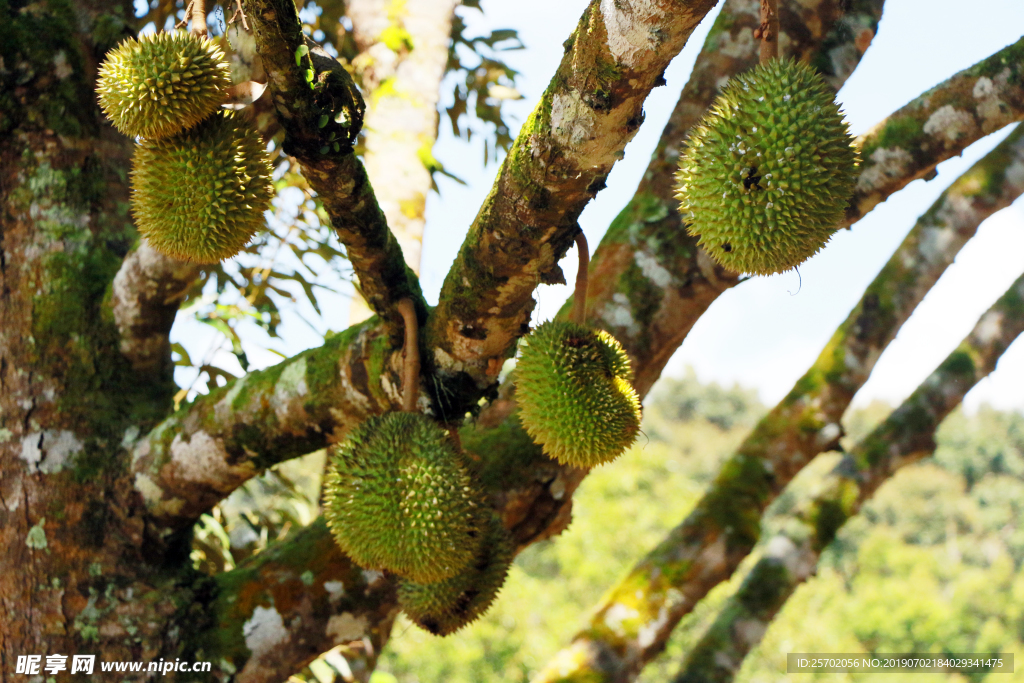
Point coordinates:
[[574, 393], [162, 83], [444, 607], [200, 195], [397, 496], [768, 172]]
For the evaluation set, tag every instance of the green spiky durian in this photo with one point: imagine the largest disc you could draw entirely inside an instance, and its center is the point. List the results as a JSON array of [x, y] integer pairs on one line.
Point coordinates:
[[162, 83], [200, 195], [444, 607], [768, 172], [574, 393], [397, 496]]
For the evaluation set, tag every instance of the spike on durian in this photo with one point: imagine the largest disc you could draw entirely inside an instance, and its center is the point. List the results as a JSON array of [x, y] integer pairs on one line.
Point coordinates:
[[162, 83], [190, 194], [397, 496], [767, 173], [444, 607], [574, 393]]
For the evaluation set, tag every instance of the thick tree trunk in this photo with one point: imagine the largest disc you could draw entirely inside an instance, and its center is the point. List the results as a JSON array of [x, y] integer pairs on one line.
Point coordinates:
[[79, 574]]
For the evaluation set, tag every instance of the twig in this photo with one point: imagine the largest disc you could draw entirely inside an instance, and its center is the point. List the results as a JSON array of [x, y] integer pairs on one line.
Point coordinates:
[[239, 14], [769, 30], [411, 376], [579, 301]]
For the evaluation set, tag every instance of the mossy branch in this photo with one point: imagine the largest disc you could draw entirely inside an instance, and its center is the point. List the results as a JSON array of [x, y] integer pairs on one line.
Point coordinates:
[[709, 544], [907, 436], [196, 457], [650, 283], [646, 262], [561, 159], [939, 125], [146, 293], [316, 595], [321, 111]]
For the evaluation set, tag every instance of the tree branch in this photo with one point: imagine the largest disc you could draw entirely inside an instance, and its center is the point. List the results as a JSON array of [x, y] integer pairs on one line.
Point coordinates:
[[709, 544], [561, 159], [146, 293], [322, 112], [280, 610], [939, 125], [907, 436], [650, 281], [196, 457]]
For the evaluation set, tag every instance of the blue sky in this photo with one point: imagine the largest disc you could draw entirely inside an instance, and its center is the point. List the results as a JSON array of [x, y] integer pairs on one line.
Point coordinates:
[[764, 333]]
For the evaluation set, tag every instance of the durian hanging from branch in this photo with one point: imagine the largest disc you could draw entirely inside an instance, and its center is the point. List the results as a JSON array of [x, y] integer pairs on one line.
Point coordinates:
[[574, 386], [162, 83], [769, 170], [200, 175], [445, 606], [200, 195], [397, 494]]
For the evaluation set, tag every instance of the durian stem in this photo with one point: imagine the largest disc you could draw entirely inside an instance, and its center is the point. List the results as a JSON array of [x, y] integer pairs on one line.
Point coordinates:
[[411, 374], [769, 30], [198, 11], [579, 299]]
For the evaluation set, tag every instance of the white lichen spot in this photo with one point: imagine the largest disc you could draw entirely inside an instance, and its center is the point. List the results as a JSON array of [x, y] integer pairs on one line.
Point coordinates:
[[950, 123], [616, 614], [652, 270], [203, 460], [151, 493], [48, 451], [743, 45], [289, 386], [936, 242], [886, 163], [557, 487], [984, 87], [36, 537], [799, 564], [335, 590], [263, 631], [61, 67], [989, 328], [344, 628], [444, 361], [1014, 173], [372, 576], [827, 434], [750, 631], [632, 29], [572, 120], [223, 410], [131, 435], [618, 313], [648, 634]]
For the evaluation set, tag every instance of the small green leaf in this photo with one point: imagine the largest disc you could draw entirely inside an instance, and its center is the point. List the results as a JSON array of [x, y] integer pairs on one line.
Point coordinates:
[[300, 52], [309, 75], [323, 121], [325, 149], [336, 147]]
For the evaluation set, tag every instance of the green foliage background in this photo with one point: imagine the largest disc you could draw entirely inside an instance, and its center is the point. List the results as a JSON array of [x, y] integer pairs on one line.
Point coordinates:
[[933, 563]]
